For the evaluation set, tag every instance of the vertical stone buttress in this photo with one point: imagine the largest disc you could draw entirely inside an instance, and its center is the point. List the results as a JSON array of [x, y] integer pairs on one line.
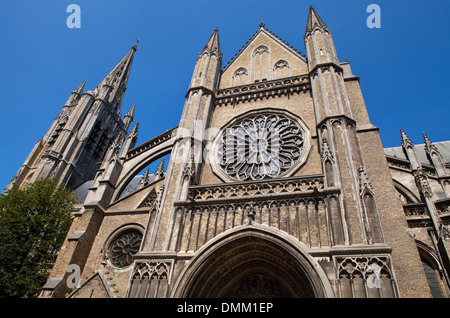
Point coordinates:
[[438, 231], [341, 154], [185, 164], [159, 240], [371, 215]]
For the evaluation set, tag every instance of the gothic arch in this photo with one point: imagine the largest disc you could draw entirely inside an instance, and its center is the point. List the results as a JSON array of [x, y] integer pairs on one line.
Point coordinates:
[[407, 194], [432, 268], [240, 77], [252, 261], [135, 165], [260, 64]]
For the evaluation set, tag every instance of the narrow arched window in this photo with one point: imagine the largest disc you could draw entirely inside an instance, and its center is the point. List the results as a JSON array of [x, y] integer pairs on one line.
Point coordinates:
[[281, 69], [260, 63], [240, 77]]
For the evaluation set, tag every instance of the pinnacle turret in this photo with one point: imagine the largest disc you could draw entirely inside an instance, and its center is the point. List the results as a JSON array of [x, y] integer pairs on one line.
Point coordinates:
[[129, 117], [429, 147], [314, 20], [213, 42], [79, 89], [405, 139]]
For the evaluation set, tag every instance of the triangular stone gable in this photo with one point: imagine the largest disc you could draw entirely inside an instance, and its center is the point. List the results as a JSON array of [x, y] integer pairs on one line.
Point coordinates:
[[150, 201], [257, 61], [94, 287]]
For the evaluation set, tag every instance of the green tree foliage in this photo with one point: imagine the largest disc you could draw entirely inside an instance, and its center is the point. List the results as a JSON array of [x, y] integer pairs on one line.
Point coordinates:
[[33, 226]]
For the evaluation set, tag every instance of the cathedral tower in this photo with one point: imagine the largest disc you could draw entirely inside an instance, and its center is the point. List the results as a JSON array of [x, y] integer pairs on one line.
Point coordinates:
[[80, 135]]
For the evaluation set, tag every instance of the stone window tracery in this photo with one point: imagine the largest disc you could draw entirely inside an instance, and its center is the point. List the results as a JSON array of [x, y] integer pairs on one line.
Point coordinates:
[[260, 146], [123, 247], [281, 69], [365, 277], [260, 63], [239, 77]]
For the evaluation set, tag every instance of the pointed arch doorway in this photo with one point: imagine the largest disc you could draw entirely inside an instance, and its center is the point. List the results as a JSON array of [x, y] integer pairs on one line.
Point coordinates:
[[250, 263]]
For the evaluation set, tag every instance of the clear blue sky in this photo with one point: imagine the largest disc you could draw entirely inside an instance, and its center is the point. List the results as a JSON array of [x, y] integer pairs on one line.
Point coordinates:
[[403, 66]]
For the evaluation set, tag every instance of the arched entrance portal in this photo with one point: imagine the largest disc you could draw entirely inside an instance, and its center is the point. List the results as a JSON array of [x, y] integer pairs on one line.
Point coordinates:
[[252, 264]]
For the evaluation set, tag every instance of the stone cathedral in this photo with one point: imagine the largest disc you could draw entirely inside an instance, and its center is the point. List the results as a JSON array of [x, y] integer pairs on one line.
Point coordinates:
[[274, 184]]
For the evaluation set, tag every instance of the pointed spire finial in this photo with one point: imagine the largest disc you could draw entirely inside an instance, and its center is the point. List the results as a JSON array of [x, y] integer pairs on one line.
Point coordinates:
[[80, 88], [144, 179], [213, 42], [134, 130], [130, 113], [115, 81], [134, 47], [159, 173], [314, 20], [405, 139]]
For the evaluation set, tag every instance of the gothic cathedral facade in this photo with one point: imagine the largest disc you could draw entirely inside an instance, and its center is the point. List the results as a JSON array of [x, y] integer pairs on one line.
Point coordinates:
[[276, 185]]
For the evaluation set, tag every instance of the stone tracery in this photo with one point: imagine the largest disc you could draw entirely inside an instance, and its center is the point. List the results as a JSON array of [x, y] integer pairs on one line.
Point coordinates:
[[260, 146]]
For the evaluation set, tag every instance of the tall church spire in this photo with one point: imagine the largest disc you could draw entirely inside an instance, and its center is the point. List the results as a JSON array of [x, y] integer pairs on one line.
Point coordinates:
[[114, 85]]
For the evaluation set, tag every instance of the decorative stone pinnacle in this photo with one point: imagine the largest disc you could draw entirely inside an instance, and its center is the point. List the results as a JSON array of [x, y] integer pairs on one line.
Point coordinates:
[[363, 180], [405, 140], [144, 180], [262, 25], [429, 147], [159, 173]]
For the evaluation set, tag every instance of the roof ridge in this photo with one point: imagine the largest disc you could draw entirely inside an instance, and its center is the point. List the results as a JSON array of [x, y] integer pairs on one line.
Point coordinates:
[[262, 27]]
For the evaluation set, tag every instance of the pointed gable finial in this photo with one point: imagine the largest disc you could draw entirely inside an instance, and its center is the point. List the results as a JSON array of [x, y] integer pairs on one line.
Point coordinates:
[[363, 180], [314, 20], [262, 25]]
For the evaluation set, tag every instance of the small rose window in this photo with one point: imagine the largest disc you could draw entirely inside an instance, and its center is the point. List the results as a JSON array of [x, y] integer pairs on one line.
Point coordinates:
[[124, 247]]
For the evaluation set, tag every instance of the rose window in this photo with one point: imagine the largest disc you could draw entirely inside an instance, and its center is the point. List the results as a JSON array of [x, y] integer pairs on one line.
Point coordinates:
[[260, 146], [123, 248]]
